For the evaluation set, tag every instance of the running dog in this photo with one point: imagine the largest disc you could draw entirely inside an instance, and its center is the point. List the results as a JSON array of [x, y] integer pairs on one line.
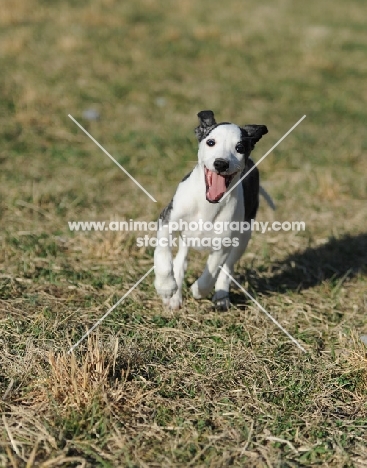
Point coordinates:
[[212, 193]]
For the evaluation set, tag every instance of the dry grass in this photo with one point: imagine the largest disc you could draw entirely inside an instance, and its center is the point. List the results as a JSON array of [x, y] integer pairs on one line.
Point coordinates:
[[195, 387]]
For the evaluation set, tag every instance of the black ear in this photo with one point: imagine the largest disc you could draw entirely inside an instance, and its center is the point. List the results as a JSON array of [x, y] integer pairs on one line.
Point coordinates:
[[254, 133], [206, 124]]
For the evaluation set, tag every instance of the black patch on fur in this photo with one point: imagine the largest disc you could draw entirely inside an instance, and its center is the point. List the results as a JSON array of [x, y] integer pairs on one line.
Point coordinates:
[[251, 186], [251, 134], [206, 124], [166, 213], [202, 132]]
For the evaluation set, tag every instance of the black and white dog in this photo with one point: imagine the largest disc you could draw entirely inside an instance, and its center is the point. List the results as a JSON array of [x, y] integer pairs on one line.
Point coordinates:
[[223, 159]]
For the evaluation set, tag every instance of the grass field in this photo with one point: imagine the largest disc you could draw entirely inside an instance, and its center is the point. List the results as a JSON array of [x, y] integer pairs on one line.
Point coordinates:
[[150, 387]]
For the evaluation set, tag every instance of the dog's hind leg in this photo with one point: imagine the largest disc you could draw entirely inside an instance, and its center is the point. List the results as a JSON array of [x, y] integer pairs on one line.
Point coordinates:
[[203, 285], [179, 268], [223, 283]]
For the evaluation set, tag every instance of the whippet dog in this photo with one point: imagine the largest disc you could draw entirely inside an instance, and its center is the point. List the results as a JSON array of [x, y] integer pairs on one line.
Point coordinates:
[[209, 197]]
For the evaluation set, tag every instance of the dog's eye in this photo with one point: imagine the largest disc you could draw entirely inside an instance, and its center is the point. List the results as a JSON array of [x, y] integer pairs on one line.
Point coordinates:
[[210, 142], [240, 148]]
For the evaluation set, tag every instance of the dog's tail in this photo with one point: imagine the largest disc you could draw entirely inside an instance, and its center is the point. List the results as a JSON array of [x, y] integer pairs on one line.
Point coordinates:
[[267, 197]]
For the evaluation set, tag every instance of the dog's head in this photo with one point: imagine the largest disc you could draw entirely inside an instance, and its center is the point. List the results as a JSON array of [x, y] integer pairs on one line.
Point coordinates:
[[223, 151]]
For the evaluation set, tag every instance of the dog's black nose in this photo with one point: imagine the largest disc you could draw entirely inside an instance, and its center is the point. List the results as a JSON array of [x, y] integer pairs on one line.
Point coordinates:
[[221, 165]]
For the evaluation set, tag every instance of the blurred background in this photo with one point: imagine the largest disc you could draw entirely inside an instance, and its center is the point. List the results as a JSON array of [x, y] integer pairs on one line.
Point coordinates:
[[135, 74]]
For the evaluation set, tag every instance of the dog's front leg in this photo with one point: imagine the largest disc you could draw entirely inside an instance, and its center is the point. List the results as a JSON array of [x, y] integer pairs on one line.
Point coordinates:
[[179, 268], [164, 283], [203, 285], [223, 283]]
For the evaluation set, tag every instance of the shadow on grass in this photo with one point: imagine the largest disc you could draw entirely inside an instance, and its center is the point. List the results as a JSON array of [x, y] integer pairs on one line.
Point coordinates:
[[336, 260]]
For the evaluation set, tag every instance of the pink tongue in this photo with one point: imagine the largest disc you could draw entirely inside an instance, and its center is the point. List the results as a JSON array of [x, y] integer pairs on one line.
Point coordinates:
[[217, 186]]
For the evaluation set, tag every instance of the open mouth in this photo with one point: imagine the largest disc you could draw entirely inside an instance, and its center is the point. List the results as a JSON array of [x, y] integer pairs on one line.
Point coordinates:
[[216, 185]]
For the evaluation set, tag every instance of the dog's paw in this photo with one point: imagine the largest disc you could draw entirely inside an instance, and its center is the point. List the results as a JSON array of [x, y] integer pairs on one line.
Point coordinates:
[[198, 293], [172, 303], [165, 288], [222, 305], [221, 301], [175, 303]]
